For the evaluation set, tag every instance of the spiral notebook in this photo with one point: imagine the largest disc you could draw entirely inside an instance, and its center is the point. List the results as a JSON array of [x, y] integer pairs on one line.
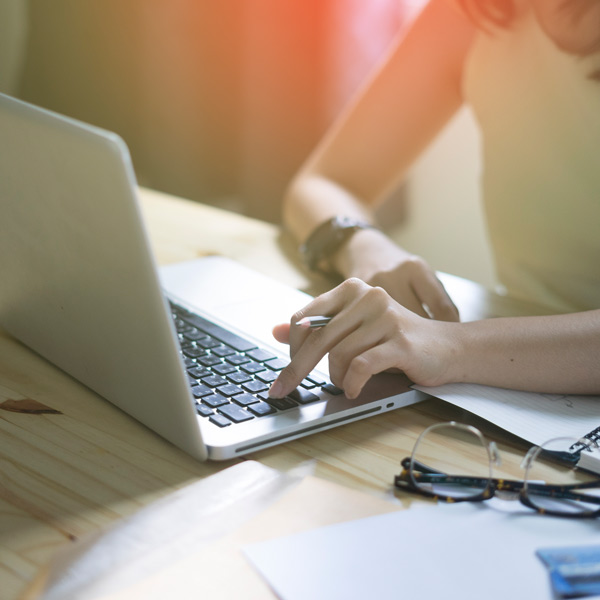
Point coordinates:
[[534, 417], [591, 460]]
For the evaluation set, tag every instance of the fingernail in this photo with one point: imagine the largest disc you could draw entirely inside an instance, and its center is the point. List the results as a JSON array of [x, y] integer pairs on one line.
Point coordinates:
[[276, 390]]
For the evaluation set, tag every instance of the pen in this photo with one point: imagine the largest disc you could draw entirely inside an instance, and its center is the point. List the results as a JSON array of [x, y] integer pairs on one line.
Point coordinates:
[[313, 322]]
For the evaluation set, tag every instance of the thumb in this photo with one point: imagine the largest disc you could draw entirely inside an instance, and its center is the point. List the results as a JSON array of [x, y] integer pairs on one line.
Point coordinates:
[[282, 333]]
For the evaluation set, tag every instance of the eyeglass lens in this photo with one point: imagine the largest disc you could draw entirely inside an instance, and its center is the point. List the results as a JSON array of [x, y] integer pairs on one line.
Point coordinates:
[[464, 454], [544, 468]]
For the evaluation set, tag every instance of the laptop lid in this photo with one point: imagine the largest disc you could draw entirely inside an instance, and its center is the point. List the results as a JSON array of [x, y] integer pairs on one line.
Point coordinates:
[[79, 285]]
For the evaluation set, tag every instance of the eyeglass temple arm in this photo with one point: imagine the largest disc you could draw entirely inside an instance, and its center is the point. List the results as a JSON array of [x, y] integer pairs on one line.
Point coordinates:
[[567, 491], [466, 480], [419, 466]]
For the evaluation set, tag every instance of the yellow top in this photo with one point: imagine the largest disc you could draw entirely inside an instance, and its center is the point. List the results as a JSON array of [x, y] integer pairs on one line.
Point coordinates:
[[539, 113]]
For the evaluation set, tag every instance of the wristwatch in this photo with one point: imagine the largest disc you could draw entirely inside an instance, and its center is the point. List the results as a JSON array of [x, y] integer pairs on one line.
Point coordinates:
[[327, 239]]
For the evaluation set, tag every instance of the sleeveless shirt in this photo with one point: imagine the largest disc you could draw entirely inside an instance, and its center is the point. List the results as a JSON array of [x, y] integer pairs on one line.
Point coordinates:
[[539, 114]]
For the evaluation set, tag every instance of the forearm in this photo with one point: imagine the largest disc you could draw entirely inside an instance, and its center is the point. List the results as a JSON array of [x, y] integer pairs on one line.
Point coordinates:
[[554, 354], [313, 199], [373, 144]]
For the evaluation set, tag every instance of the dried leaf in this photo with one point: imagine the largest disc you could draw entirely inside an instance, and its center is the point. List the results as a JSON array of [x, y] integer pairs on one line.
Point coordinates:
[[28, 405]]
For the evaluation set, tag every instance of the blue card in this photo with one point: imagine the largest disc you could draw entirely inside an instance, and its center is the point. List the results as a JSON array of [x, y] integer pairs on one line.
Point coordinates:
[[575, 571]]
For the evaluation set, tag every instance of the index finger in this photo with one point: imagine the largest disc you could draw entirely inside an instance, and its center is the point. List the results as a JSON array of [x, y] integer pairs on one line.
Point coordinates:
[[314, 347], [308, 346]]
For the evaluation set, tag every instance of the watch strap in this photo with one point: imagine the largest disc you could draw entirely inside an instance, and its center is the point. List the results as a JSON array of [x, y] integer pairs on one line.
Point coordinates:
[[327, 239]]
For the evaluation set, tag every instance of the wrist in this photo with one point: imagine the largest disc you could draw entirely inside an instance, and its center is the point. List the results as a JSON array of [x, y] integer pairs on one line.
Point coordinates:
[[327, 240], [456, 352], [366, 252], [472, 352]]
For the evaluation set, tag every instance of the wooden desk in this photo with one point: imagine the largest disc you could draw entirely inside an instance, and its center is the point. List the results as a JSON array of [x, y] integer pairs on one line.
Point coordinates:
[[86, 464]]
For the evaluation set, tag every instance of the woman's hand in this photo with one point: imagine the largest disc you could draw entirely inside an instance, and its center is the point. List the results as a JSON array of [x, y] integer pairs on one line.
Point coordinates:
[[371, 256], [369, 333]]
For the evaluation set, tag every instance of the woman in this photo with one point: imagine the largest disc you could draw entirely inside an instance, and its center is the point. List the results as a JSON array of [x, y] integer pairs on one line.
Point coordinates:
[[530, 69]]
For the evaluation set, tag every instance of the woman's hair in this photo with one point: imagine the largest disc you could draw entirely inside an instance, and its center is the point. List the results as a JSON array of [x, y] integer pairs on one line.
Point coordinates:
[[574, 25]]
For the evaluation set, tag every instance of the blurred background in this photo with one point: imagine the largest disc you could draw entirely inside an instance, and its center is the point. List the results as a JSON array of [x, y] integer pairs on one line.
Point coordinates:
[[221, 101]]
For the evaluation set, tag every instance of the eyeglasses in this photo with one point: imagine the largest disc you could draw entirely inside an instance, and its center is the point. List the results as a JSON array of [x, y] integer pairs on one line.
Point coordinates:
[[430, 471]]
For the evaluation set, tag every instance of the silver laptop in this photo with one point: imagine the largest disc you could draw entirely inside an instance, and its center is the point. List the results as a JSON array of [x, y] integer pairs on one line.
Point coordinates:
[[186, 349]]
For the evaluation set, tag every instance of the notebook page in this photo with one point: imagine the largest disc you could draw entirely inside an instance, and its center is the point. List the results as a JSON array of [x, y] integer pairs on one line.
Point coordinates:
[[533, 417]]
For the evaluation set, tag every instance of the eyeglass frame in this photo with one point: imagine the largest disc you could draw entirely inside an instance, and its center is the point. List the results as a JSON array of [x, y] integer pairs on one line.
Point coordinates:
[[407, 479]]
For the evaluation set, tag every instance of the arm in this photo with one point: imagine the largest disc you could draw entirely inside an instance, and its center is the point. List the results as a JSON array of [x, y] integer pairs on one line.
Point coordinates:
[[371, 333], [368, 151], [555, 354]]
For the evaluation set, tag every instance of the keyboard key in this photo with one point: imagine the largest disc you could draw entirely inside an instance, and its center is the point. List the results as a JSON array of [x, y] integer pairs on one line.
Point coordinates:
[[245, 399], [208, 343], [198, 372], [253, 367], [260, 355], [215, 400], [224, 369], [332, 389], [198, 391], [303, 396], [209, 360], [230, 390], [183, 343], [282, 403], [307, 384], [214, 381], [239, 377], [261, 408], [237, 359], [194, 334], [204, 410], [255, 386], [223, 351], [193, 351], [277, 364], [236, 413], [267, 376], [219, 420], [317, 379]]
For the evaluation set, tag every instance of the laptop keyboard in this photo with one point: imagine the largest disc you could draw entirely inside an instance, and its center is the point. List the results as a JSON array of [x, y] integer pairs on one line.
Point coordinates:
[[230, 376]]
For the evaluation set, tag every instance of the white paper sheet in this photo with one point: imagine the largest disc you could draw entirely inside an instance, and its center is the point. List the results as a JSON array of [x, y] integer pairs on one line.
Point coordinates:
[[462, 551]]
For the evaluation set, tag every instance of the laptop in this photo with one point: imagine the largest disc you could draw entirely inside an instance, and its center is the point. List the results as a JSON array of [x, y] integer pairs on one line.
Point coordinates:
[[185, 349]]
